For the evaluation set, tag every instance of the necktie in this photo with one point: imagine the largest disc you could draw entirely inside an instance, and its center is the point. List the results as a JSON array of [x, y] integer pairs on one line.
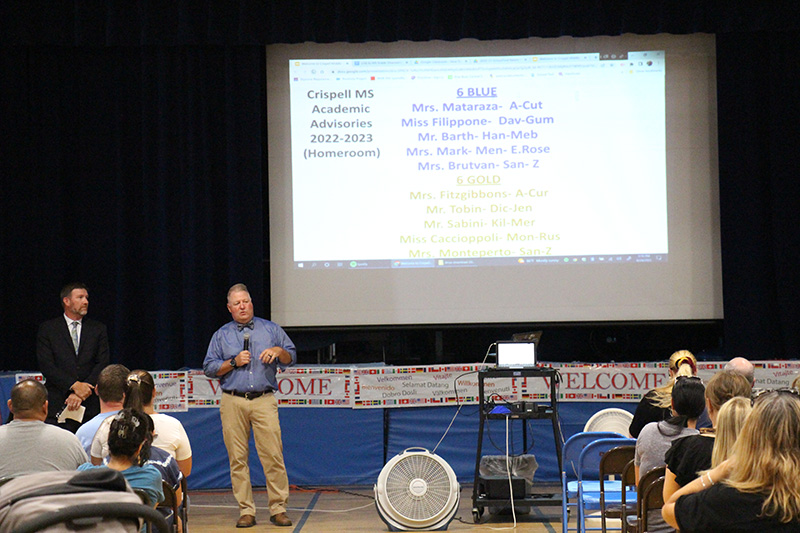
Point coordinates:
[[75, 336], [242, 326]]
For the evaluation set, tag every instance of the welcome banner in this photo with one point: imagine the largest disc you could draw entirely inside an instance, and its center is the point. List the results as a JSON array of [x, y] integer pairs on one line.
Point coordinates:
[[416, 386]]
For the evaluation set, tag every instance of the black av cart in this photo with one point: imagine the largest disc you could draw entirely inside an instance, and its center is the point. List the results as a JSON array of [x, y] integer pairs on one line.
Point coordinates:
[[495, 493]]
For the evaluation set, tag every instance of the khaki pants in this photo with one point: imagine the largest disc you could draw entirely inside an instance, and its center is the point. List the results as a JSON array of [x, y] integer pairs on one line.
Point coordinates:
[[238, 416]]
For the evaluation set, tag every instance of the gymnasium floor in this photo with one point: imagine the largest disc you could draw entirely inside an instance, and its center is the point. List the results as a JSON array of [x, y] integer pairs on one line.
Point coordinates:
[[350, 510]]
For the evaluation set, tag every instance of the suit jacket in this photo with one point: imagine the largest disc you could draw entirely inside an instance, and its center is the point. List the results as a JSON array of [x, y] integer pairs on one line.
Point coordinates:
[[61, 367]]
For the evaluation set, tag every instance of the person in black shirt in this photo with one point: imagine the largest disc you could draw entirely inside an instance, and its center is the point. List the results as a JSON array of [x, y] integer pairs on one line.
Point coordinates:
[[756, 489]]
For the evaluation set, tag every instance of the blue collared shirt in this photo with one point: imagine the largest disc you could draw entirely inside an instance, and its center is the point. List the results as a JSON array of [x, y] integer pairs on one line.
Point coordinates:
[[255, 376]]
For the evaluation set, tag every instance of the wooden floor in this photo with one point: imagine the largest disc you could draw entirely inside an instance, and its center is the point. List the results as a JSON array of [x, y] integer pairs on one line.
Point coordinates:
[[350, 510]]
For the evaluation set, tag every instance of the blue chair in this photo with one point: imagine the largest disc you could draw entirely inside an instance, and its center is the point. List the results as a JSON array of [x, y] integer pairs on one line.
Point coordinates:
[[592, 494], [570, 456]]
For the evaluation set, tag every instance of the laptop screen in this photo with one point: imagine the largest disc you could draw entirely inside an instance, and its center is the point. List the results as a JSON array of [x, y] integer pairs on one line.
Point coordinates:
[[514, 354]]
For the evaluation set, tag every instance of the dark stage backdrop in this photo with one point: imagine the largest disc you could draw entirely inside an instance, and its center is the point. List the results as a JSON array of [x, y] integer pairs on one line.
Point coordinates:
[[132, 156]]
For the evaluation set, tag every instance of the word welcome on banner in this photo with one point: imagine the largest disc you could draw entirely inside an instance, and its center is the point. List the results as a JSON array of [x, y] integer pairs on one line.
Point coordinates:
[[419, 386]]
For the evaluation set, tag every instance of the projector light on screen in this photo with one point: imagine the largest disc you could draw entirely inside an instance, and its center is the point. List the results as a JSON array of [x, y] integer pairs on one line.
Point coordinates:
[[455, 186]]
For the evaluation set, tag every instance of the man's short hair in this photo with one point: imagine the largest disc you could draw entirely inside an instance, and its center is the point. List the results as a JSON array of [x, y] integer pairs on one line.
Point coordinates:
[[236, 288], [27, 395], [111, 383], [69, 287]]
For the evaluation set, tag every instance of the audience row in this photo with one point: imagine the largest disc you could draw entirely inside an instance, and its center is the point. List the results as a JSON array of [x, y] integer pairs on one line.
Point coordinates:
[[148, 448]]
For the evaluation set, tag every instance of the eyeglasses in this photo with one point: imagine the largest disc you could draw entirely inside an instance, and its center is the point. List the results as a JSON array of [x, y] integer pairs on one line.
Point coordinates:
[[693, 378], [765, 392]]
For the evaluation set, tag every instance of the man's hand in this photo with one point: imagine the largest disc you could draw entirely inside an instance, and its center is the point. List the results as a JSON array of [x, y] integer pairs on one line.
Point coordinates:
[[243, 358], [82, 390], [271, 355], [73, 402]]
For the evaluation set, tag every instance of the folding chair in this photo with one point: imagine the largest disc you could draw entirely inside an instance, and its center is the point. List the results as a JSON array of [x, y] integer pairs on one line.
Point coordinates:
[[612, 465], [628, 505], [184, 507], [169, 507], [645, 481], [653, 499], [570, 454], [589, 470]]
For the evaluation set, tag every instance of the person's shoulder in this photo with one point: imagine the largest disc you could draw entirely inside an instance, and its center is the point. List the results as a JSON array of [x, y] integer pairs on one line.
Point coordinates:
[[227, 326], [52, 323], [649, 429], [92, 323], [150, 470], [165, 418]]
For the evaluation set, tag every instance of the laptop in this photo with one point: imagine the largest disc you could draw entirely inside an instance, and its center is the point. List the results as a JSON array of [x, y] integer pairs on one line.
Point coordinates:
[[516, 354]]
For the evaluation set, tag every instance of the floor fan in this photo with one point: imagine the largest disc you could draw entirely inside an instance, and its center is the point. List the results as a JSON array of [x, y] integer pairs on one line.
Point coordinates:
[[417, 491]]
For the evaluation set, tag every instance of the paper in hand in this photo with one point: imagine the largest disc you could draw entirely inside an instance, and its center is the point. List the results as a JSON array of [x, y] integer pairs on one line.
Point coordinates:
[[76, 415]]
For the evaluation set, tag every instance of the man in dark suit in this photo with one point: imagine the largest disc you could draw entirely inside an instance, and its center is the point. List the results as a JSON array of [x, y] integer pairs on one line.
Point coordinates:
[[71, 351]]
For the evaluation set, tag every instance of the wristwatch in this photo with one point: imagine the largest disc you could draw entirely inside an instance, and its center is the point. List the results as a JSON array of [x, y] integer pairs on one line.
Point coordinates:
[[233, 361]]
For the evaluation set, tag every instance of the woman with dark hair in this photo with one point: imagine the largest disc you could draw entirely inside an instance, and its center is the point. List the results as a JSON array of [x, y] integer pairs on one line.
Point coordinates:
[[688, 402], [140, 393], [689, 455], [756, 489], [129, 439]]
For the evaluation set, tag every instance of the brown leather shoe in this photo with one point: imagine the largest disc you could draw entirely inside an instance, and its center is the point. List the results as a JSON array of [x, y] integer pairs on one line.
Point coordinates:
[[280, 519], [246, 520]]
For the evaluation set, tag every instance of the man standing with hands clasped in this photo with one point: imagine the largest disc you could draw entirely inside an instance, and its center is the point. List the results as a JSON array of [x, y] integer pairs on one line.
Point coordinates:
[[71, 351], [248, 401]]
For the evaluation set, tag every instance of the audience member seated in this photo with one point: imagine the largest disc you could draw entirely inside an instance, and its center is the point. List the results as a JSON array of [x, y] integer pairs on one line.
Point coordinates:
[[756, 489], [129, 439], [742, 366], [655, 406], [29, 445], [167, 467], [693, 454], [110, 389], [655, 438], [170, 436]]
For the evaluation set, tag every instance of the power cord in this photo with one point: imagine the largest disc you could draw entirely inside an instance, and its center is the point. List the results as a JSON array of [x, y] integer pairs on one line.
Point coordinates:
[[458, 401]]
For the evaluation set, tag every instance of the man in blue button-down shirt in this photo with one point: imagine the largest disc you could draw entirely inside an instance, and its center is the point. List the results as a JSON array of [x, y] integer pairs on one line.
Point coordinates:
[[248, 383]]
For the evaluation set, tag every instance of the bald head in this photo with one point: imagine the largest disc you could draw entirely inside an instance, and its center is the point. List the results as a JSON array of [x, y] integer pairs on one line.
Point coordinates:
[[28, 400], [742, 366]]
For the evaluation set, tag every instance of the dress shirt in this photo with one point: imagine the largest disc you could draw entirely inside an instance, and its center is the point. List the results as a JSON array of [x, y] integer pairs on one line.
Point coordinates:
[[255, 376]]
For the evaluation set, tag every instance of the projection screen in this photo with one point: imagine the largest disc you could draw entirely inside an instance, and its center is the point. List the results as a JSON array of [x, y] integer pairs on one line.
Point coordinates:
[[536, 180]]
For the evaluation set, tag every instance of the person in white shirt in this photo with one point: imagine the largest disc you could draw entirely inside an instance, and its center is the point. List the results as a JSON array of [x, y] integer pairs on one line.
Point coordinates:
[[170, 436]]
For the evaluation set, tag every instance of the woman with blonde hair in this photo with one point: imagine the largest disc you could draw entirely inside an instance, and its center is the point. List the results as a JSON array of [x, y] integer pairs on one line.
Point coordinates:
[[730, 421], [656, 404], [689, 456], [756, 489]]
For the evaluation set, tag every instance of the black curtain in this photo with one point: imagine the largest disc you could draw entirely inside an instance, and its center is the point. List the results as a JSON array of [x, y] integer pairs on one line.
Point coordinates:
[[133, 152], [759, 139], [139, 171]]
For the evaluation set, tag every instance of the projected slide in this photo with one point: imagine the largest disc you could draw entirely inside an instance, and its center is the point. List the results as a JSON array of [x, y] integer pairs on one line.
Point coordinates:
[[479, 161]]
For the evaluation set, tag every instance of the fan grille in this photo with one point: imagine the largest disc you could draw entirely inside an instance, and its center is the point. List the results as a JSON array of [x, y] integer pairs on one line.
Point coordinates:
[[418, 487]]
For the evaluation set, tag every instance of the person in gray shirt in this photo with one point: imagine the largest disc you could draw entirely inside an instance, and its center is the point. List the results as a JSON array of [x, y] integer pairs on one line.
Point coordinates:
[[28, 444]]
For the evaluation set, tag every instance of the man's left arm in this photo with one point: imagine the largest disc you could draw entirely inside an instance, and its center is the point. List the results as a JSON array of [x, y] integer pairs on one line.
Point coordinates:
[[101, 355], [283, 352]]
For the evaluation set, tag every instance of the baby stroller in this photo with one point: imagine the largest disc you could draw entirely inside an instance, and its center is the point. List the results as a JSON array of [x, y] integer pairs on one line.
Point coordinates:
[[90, 501]]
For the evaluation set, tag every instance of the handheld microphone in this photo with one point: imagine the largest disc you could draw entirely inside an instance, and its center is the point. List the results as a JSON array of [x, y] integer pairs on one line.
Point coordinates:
[[246, 344]]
